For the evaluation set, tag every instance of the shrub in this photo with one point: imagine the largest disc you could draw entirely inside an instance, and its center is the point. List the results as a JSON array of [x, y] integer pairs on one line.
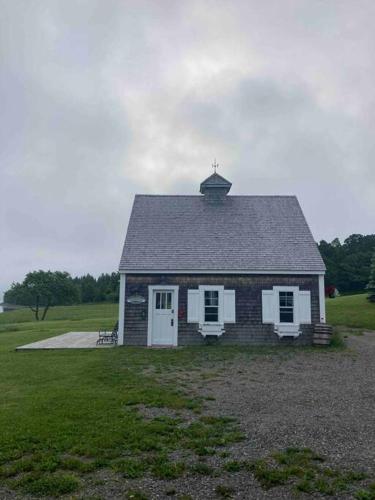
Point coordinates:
[[337, 341]]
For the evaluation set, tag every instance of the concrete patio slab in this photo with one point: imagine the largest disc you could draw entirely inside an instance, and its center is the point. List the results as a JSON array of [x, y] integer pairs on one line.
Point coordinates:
[[70, 340]]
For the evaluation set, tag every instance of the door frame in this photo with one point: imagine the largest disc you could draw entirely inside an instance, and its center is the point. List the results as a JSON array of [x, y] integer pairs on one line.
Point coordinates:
[[151, 290]]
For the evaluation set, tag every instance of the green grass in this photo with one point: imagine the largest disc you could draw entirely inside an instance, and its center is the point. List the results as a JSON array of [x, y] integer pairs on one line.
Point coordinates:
[[80, 313], [130, 468], [366, 494], [166, 469], [305, 471], [351, 310], [48, 484], [233, 466], [202, 469]]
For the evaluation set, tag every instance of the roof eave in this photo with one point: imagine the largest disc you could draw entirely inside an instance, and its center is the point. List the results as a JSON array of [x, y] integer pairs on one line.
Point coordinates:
[[222, 271]]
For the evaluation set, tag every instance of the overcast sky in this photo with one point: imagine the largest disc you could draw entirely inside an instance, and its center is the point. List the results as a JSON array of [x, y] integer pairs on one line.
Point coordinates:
[[104, 99]]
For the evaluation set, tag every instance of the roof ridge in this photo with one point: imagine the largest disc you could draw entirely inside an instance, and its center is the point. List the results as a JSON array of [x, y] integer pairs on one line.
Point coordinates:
[[228, 196]]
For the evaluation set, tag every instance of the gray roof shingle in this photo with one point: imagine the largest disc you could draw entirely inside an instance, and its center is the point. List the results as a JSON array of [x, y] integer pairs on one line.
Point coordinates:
[[244, 233]]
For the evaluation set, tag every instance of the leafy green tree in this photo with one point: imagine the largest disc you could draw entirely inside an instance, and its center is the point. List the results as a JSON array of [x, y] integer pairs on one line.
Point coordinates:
[[88, 288], [104, 288], [348, 264], [371, 283], [108, 287], [42, 289], [18, 294]]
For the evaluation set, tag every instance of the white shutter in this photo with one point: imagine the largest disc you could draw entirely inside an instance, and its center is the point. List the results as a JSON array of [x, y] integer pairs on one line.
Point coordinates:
[[268, 306], [304, 307], [229, 306], [193, 306]]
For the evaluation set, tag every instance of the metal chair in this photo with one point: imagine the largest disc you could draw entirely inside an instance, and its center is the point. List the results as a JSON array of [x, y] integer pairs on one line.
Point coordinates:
[[106, 337]]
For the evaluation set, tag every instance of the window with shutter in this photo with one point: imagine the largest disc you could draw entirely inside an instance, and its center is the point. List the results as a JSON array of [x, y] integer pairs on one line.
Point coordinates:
[[211, 306], [286, 307]]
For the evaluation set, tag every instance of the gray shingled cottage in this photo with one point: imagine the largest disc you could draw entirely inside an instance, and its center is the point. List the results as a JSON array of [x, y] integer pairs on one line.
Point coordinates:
[[240, 269]]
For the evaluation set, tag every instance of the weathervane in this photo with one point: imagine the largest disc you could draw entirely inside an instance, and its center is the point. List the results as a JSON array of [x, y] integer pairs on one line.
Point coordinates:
[[215, 165]]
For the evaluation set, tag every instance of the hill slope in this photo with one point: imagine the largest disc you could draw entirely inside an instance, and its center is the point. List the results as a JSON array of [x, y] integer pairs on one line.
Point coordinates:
[[351, 310]]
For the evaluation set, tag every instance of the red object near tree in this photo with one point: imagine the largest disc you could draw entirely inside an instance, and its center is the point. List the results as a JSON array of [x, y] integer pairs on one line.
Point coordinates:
[[330, 291]]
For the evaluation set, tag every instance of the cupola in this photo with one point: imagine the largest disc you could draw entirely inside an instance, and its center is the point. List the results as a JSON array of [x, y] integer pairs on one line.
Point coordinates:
[[215, 188]]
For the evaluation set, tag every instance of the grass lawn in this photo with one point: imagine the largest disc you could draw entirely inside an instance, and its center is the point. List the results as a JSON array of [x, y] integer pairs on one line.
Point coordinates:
[[66, 414], [351, 310]]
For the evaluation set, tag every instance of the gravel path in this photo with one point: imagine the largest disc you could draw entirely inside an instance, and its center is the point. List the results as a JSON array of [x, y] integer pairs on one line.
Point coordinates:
[[321, 400], [324, 401]]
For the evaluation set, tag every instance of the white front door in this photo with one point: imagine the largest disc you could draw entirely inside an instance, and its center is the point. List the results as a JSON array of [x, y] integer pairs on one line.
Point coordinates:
[[163, 317]]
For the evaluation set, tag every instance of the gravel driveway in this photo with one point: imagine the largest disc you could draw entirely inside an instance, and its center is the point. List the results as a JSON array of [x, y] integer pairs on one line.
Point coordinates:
[[321, 400]]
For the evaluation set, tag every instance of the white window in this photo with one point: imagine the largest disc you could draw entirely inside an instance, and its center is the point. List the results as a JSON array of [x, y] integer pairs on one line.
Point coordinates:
[[211, 305], [286, 305], [285, 301], [211, 302], [163, 300]]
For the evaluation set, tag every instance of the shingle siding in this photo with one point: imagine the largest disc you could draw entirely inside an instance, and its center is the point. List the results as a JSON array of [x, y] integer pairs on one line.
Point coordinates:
[[248, 328]]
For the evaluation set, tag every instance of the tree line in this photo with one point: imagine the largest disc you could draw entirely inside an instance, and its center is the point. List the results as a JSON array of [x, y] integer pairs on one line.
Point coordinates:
[[348, 263], [105, 288], [41, 290]]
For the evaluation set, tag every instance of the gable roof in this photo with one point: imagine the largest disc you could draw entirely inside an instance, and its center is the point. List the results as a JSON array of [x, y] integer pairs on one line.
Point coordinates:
[[244, 233]]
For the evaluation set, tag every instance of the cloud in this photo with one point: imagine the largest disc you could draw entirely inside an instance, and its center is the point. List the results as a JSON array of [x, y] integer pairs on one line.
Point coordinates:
[[101, 100]]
